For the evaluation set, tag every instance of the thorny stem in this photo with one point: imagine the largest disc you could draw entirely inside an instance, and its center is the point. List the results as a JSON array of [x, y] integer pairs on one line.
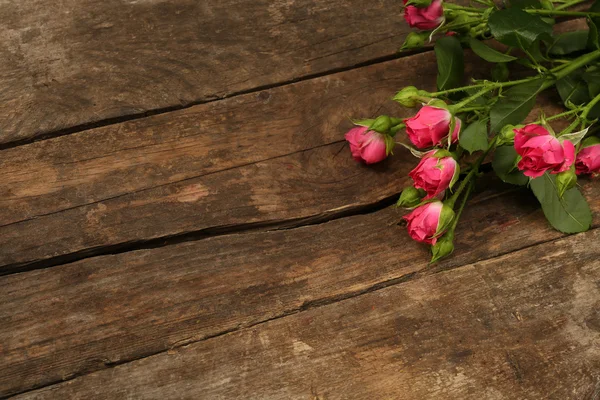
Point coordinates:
[[461, 207], [558, 72], [475, 169], [563, 13], [589, 107], [569, 4]]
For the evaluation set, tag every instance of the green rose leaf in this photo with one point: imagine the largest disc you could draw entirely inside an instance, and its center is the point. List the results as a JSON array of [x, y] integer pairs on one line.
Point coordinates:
[[595, 8], [474, 137], [573, 88], [569, 214], [504, 165], [489, 54], [450, 62], [569, 42], [592, 78], [593, 35], [518, 28], [514, 105]]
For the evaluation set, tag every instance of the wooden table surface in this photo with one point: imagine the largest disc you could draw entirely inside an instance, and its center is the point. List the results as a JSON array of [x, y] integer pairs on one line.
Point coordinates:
[[180, 218]]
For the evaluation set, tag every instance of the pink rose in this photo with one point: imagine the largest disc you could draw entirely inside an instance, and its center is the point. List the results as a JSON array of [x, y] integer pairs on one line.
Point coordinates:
[[434, 175], [429, 221], [366, 145], [425, 18], [541, 152], [588, 160], [430, 127]]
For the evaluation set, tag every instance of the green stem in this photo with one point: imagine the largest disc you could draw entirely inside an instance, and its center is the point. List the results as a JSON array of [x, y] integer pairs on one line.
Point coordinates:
[[450, 26], [480, 85], [569, 4], [394, 129], [563, 13], [475, 169], [570, 128], [461, 207], [560, 115], [574, 65], [589, 107], [490, 86], [450, 6], [474, 108]]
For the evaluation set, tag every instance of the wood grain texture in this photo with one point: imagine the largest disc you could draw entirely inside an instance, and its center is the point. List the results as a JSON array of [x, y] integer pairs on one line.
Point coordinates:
[[87, 167], [310, 184], [81, 61], [525, 325], [73, 319]]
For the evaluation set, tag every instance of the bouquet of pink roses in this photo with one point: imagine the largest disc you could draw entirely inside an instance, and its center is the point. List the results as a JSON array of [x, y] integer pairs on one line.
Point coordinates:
[[485, 116]]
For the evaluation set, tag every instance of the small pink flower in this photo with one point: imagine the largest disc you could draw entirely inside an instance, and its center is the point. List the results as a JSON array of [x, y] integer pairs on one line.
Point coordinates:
[[424, 222], [366, 145], [425, 18], [435, 175], [430, 127], [588, 160], [541, 152]]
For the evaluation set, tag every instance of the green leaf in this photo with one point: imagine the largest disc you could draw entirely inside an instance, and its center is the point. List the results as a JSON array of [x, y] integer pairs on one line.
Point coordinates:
[[573, 88], [489, 54], [592, 78], [514, 105], [450, 62], [518, 28], [474, 137], [593, 35], [504, 165], [569, 42], [500, 72], [569, 214], [595, 8], [574, 137], [389, 144]]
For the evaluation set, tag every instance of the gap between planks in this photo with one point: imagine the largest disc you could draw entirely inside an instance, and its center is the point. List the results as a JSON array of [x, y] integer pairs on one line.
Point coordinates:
[[201, 234], [309, 305], [211, 99]]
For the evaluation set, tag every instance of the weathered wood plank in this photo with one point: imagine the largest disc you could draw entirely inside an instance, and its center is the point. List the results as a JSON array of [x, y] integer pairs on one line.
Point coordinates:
[[76, 62], [311, 184], [81, 317], [525, 325], [314, 183], [70, 171]]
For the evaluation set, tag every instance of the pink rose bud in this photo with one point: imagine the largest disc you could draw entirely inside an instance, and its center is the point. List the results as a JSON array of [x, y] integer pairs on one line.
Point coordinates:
[[588, 160], [435, 174], [425, 18], [541, 152], [366, 145], [430, 127], [429, 221]]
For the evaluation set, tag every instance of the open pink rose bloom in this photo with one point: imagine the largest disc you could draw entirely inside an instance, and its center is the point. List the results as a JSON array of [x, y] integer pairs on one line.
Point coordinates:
[[430, 127], [541, 152], [588, 160]]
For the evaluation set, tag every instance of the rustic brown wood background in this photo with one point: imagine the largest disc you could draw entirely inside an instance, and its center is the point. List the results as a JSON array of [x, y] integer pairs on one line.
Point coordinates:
[[181, 218]]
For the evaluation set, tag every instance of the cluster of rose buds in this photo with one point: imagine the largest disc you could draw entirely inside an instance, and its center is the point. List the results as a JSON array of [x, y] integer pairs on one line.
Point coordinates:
[[486, 116], [435, 129]]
